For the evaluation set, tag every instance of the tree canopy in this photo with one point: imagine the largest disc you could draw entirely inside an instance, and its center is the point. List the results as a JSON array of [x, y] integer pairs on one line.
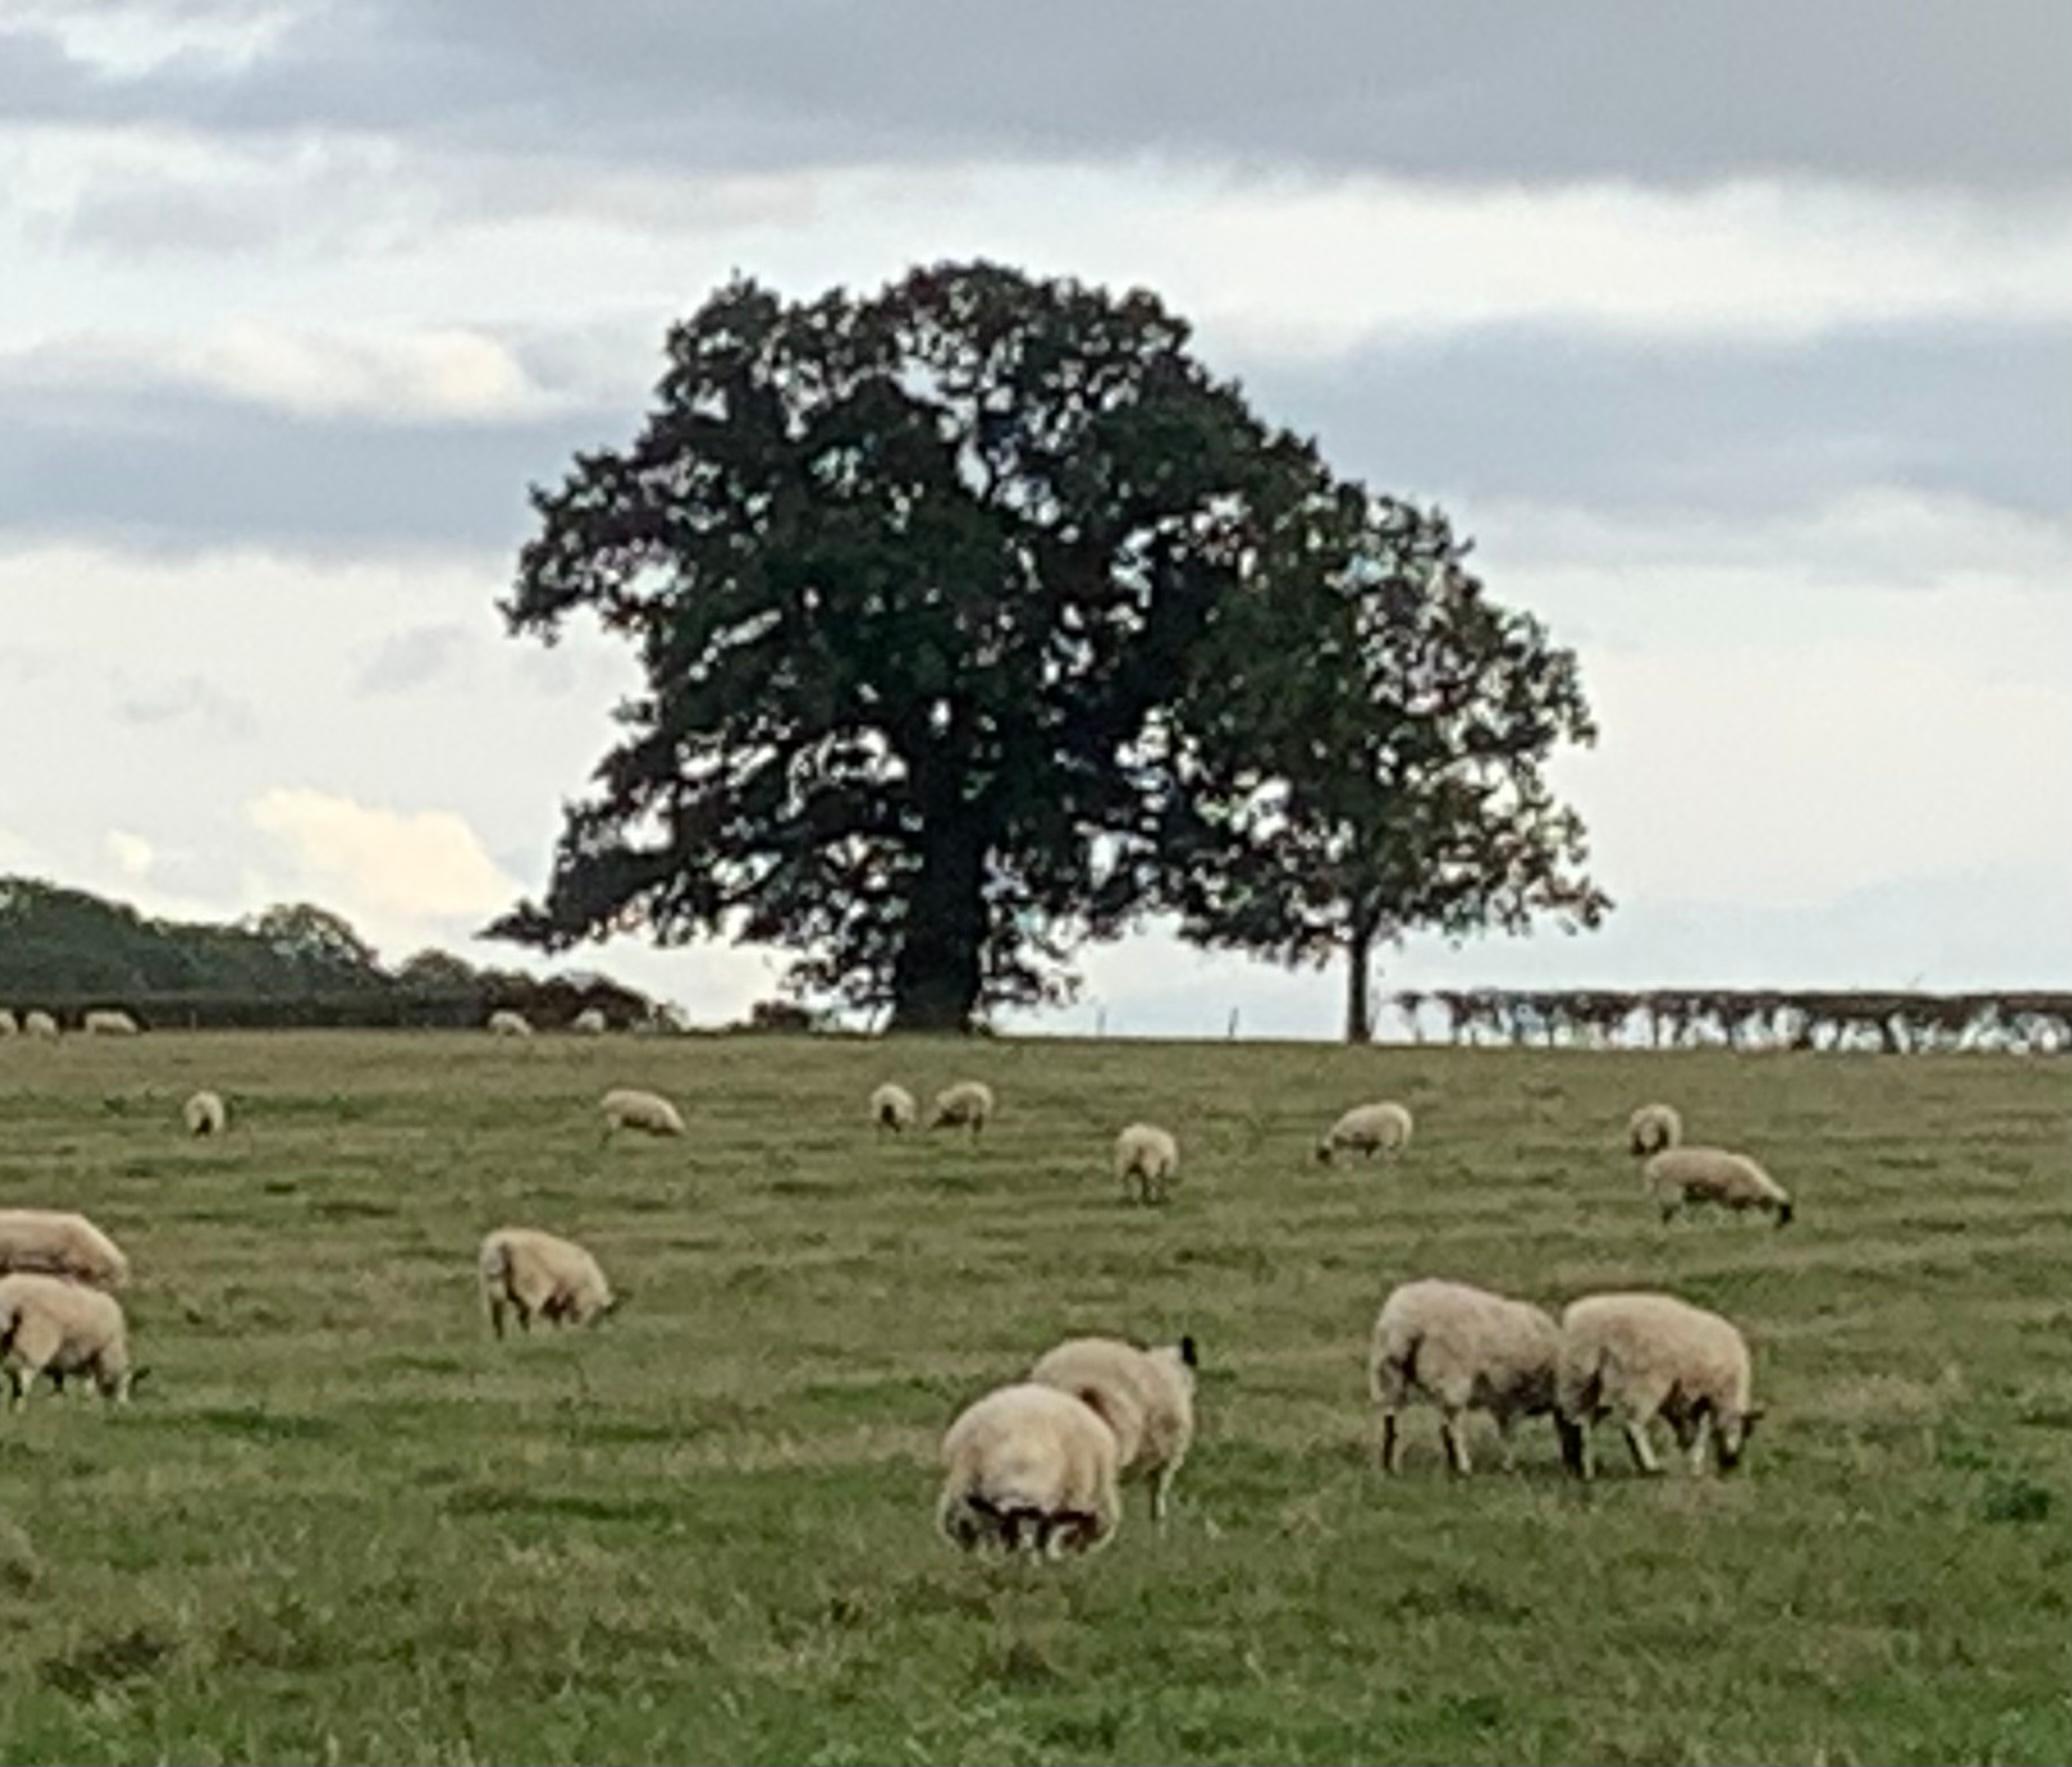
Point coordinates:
[[912, 578], [978, 618], [1370, 740]]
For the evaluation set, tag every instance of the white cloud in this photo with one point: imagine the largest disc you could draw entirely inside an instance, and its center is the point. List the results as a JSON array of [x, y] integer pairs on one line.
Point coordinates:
[[398, 865], [134, 856]]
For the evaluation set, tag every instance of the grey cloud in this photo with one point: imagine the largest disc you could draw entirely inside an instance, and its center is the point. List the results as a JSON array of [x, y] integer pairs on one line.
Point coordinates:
[[410, 659], [1618, 422], [1581, 419], [191, 699], [1478, 89]]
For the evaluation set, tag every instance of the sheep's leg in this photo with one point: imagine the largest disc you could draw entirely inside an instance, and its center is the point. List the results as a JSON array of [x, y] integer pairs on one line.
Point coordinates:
[[496, 1319], [1637, 1440], [1698, 1433], [1506, 1457], [1161, 1493], [1456, 1448], [20, 1380], [1391, 1444], [1574, 1437]]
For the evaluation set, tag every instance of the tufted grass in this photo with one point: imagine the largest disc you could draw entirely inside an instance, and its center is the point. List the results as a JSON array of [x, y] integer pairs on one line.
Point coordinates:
[[339, 1523]]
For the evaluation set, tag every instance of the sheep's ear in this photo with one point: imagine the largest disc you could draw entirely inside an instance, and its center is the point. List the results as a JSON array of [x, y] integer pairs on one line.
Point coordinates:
[[614, 1304], [138, 1376], [1189, 1353], [1753, 1416]]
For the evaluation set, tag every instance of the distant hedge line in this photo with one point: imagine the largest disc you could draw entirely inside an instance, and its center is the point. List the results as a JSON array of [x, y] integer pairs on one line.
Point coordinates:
[[1746, 1018], [549, 1006]]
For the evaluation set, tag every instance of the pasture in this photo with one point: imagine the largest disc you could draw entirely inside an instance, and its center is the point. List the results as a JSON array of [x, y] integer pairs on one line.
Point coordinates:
[[340, 1523]]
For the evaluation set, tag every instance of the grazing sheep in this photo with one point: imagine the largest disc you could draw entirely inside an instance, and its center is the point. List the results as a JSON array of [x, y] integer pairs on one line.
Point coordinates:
[[1029, 1467], [37, 1023], [1652, 1128], [589, 1023], [1367, 1129], [205, 1114], [968, 1102], [1145, 1397], [893, 1107], [1643, 1356], [539, 1276], [1679, 1177], [506, 1023], [1461, 1349], [51, 1326], [627, 1107], [109, 1022], [10, 1026], [1147, 1162], [58, 1243]]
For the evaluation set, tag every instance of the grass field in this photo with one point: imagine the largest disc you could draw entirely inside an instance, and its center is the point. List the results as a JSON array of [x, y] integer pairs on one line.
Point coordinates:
[[340, 1523]]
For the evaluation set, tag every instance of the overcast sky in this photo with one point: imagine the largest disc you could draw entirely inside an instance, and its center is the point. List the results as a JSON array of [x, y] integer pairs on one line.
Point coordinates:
[[1740, 338]]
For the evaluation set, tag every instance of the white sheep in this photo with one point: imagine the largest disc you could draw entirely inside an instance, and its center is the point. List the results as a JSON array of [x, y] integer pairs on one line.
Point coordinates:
[[10, 1026], [51, 1326], [58, 1243], [1368, 1129], [968, 1103], [1643, 1356], [1145, 1397], [1029, 1467], [205, 1114], [539, 1276], [627, 1107], [1652, 1128], [590, 1022], [893, 1107], [1147, 1162], [38, 1023], [1461, 1349], [109, 1022], [1679, 1177], [505, 1023]]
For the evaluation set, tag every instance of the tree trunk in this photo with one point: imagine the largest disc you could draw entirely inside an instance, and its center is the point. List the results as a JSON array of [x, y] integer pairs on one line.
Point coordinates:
[[935, 982], [1359, 986]]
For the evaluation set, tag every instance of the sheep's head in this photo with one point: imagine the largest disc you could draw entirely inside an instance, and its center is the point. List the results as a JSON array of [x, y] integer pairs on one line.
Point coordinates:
[[1730, 1437], [1784, 1213]]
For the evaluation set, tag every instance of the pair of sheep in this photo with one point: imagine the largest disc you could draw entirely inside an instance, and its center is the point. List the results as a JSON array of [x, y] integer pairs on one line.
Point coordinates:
[[966, 1105], [1632, 1356], [55, 1316], [37, 1023], [1038, 1466], [1679, 1177]]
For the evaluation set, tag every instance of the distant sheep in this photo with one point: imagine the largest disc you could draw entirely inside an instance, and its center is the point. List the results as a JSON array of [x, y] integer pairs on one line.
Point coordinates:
[[1367, 1129], [1147, 1162], [58, 1243], [1029, 1467], [969, 1103], [589, 1023], [1146, 1397], [1652, 1128], [506, 1023], [1680, 1177], [538, 1276], [627, 1107], [109, 1022], [1643, 1356], [51, 1326], [1462, 1349], [205, 1114], [893, 1107], [36, 1023], [10, 1026]]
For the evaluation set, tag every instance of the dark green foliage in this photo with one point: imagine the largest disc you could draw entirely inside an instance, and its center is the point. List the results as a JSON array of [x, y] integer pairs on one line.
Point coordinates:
[[1368, 739], [914, 580], [291, 965]]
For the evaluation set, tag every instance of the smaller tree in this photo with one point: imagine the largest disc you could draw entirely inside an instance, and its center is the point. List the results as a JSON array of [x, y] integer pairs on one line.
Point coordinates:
[[1367, 746], [319, 943]]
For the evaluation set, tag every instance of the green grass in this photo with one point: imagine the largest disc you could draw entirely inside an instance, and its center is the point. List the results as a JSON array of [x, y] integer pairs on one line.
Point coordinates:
[[340, 1523]]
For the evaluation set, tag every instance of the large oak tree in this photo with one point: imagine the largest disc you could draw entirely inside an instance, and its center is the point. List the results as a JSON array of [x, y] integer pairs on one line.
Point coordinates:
[[915, 580]]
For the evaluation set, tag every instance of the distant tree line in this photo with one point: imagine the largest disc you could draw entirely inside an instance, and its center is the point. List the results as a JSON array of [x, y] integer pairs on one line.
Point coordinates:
[[1743, 1018], [66, 951]]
